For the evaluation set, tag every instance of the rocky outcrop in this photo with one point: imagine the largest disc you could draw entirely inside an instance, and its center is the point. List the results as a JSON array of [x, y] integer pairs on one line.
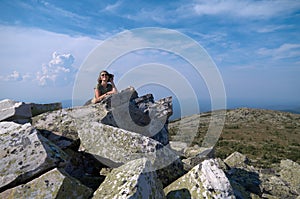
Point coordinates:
[[124, 110], [21, 112], [139, 114], [250, 182], [284, 182], [119, 148], [290, 173], [135, 179]]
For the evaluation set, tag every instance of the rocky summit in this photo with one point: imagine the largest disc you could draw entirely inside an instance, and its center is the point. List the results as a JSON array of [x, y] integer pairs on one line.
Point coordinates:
[[122, 147]]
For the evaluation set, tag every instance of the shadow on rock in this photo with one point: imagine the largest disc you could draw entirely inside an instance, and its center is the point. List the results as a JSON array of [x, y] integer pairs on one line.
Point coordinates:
[[179, 194], [82, 166], [85, 168], [244, 182]]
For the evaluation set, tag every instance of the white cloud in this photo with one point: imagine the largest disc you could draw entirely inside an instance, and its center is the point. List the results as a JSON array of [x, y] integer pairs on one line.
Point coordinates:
[[268, 29], [284, 51], [26, 49], [14, 76], [113, 7], [174, 13], [28, 52], [59, 71], [245, 8]]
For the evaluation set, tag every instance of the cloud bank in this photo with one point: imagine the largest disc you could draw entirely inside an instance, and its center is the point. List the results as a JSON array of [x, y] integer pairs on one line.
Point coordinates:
[[58, 72]]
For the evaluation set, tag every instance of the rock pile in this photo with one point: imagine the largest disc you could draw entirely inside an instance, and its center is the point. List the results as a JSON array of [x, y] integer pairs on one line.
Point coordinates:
[[120, 148], [21, 112]]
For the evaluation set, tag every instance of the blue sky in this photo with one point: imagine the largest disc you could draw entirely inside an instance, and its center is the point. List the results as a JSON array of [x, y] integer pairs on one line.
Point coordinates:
[[254, 44]]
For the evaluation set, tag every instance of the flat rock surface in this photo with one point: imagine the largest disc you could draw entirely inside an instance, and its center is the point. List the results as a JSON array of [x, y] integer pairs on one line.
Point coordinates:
[[24, 153], [132, 180], [53, 184]]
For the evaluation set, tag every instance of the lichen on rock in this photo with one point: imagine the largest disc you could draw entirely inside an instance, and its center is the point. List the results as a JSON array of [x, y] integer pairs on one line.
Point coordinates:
[[53, 184], [132, 180], [206, 180], [25, 153]]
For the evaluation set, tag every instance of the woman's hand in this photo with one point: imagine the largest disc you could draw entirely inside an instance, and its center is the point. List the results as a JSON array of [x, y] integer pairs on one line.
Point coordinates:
[[100, 98]]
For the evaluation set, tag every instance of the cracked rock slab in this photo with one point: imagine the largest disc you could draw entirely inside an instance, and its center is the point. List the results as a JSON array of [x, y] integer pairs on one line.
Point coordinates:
[[24, 153], [206, 180], [14, 111], [53, 184], [132, 180], [114, 146]]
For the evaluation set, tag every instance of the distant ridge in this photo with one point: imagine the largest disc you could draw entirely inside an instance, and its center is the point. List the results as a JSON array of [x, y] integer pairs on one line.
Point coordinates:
[[295, 110], [266, 136], [206, 108]]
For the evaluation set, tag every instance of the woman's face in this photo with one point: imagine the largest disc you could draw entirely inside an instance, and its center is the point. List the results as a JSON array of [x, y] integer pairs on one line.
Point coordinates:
[[104, 76]]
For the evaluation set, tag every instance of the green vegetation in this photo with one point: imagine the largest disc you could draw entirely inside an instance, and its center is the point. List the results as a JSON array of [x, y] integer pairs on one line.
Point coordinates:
[[264, 136]]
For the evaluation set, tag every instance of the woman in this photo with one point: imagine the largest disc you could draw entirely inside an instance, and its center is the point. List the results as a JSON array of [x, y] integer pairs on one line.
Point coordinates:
[[105, 86]]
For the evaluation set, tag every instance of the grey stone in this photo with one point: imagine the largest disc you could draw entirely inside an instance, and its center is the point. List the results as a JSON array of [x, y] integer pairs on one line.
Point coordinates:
[[85, 168], [37, 109], [24, 153], [275, 186], [140, 114], [21, 112], [236, 159], [15, 111], [64, 121], [135, 179], [119, 110], [246, 181], [53, 184], [195, 155], [206, 180], [290, 173], [114, 146], [178, 146]]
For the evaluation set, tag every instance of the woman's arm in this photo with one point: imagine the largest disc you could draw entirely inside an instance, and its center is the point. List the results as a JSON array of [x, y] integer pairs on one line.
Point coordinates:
[[98, 95]]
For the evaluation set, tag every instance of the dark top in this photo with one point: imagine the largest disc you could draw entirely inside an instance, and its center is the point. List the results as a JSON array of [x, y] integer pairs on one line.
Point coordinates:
[[104, 90]]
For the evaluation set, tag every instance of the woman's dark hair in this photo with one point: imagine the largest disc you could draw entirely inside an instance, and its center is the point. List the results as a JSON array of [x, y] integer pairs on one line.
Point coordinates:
[[109, 76]]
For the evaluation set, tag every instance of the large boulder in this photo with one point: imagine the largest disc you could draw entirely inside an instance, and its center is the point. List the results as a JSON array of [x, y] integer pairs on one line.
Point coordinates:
[[135, 179], [243, 177], [37, 109], [24, 154], [53, 184], [64, 124], [195, 155], [283, 184], [21, 112], [114, 146], [15, 111], [245, 182], [61, 126], [274, 187], [236, 159], [124, 110], [139, 114], [206, 180]]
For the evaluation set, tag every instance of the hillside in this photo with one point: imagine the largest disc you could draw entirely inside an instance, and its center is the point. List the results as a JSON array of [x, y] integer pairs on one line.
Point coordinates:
[[265, 136]]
